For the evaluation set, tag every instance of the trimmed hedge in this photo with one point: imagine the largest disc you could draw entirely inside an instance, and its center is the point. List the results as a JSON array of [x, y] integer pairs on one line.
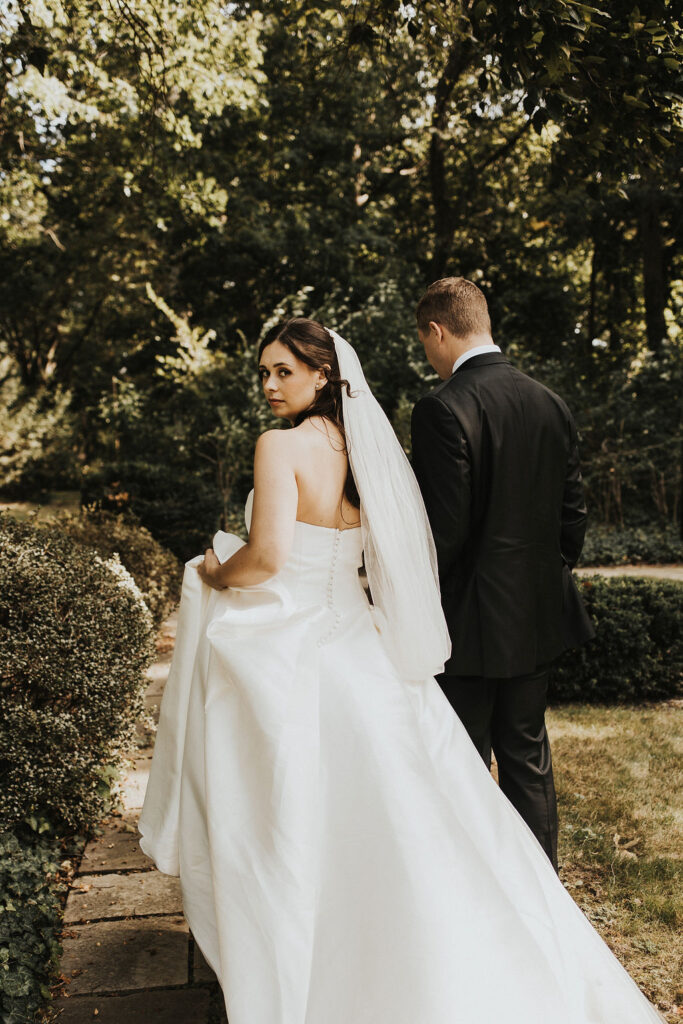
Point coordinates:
[[75, 639], [637, 654], [156, 571], [606, 545]]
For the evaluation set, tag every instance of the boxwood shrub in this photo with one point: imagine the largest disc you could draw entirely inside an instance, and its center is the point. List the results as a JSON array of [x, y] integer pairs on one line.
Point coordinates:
[[75, 639], [637, 654], [606, 545], [156, 570]]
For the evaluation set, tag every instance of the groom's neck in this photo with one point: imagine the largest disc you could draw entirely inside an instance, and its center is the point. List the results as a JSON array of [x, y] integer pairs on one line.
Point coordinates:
[[457, 347], [462, 345]]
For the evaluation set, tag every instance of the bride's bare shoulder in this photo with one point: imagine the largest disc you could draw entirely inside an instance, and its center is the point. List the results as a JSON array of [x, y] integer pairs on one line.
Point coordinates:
[[318, 431], [269, 438], [315, 436], [274, 444]]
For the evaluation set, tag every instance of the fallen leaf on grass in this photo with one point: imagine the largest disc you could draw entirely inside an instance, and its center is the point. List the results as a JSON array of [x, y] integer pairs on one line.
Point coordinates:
[[624, 851]]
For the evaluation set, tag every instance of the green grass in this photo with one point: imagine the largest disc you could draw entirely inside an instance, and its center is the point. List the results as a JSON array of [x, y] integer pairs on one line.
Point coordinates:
[[618, 775]]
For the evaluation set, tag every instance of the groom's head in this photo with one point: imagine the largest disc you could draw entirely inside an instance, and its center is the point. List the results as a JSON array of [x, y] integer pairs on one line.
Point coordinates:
[[452, 317]]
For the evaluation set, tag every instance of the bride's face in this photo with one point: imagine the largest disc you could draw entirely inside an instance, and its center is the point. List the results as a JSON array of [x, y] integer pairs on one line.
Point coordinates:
[[289, 384]]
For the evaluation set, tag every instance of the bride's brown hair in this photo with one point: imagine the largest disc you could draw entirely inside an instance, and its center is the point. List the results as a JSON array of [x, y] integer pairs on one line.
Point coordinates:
[[310, 342]]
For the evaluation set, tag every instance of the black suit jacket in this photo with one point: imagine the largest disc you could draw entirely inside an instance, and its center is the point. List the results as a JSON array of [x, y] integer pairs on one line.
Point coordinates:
[[496, 457]]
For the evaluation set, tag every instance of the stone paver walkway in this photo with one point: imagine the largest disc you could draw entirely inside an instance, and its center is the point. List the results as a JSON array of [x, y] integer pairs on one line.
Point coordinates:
[[129, 957]]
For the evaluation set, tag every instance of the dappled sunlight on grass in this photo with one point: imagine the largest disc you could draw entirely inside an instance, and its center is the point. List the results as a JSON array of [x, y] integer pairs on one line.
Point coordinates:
[[618, 776]]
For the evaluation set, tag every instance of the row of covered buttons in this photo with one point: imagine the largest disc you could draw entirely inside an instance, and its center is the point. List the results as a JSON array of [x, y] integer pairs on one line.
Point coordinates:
[[330, 591]]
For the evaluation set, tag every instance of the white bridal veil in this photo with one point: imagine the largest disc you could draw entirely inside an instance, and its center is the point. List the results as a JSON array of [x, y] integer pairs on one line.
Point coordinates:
[[400, 558]]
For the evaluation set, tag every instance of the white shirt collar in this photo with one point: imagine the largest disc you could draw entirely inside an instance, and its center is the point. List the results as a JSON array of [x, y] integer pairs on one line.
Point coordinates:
[[478, 351]]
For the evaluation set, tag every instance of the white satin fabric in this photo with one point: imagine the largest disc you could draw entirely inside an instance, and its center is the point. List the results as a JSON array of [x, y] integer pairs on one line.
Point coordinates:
[[344, 856]]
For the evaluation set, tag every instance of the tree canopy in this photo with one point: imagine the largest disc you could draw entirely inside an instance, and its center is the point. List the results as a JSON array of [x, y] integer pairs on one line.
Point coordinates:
[[177, 175]]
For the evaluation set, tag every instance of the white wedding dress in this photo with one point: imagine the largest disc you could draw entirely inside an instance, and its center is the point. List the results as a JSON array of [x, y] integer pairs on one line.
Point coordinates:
[[344, 856]]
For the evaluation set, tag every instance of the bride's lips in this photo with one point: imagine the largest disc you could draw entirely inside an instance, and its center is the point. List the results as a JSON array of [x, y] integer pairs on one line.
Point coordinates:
[[276, 401]]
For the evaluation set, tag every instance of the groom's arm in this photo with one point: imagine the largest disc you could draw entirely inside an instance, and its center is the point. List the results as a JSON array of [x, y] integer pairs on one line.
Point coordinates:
[[441, 461]]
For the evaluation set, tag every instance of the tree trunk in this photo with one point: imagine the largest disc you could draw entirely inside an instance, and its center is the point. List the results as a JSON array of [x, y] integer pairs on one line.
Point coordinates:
[[444, 214], [654, 271], [592, 296]]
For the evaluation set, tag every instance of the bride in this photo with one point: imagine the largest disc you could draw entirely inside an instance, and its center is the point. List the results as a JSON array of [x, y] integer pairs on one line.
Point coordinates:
[[344, 855]]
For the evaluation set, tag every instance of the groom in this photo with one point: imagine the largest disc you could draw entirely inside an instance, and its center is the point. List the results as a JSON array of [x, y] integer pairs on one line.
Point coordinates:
[[496, 457]]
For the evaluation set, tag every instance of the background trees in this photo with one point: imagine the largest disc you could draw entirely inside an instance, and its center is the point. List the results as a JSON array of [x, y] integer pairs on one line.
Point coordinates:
[[176, 175]]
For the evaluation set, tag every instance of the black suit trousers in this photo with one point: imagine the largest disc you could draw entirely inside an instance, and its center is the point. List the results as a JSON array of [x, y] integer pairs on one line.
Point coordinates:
[[508, 717]]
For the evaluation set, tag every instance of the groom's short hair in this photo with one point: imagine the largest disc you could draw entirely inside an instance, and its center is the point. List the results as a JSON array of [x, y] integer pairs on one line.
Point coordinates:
[[457, 304]]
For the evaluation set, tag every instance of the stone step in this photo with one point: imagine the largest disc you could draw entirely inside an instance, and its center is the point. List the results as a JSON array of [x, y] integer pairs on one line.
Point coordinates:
[[116, 848], [201, 971], [98, 897], [120, 956], [157, 675], [134, 781], [175, 1006]]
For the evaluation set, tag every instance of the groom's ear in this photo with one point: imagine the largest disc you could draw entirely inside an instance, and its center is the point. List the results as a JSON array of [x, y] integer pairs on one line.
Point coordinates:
[[436, 329]]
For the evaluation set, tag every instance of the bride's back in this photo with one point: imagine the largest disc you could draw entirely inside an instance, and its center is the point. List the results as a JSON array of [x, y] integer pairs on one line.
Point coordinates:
[[321, 469]]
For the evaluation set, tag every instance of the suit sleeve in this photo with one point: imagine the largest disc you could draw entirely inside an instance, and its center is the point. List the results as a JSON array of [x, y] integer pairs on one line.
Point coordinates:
[[574, 513], [442, 465]]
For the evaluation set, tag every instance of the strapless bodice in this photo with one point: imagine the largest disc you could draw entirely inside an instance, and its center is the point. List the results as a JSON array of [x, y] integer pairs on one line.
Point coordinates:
[[322, 568]]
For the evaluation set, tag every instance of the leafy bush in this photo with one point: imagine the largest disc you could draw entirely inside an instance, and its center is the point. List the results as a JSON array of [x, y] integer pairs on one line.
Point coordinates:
[[179, 508], [30, 921], [75, 639], [630, 427], [609, 546], [155, 570], [637, 654], [37, 436]]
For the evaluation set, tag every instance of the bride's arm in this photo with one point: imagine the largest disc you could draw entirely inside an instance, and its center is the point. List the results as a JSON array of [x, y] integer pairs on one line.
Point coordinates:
[[272, 522]]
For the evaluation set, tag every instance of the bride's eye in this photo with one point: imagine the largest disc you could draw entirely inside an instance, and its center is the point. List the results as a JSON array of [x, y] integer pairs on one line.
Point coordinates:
[[284, 373]]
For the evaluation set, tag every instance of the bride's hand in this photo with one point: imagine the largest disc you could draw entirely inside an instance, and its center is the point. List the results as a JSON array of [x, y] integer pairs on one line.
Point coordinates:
[[208, 568]]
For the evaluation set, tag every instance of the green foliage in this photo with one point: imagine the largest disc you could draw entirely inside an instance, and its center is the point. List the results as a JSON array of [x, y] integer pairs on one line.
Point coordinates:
[[631, 431], [216, 397], [30, 922], [171, 499], [155, 570], [37, 437], [75, 636], [75, 639], [609, 546], [102, 112], [632, 438], [189, 440], [637, 654], [618, 68], [383, 332], [181, 166]]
